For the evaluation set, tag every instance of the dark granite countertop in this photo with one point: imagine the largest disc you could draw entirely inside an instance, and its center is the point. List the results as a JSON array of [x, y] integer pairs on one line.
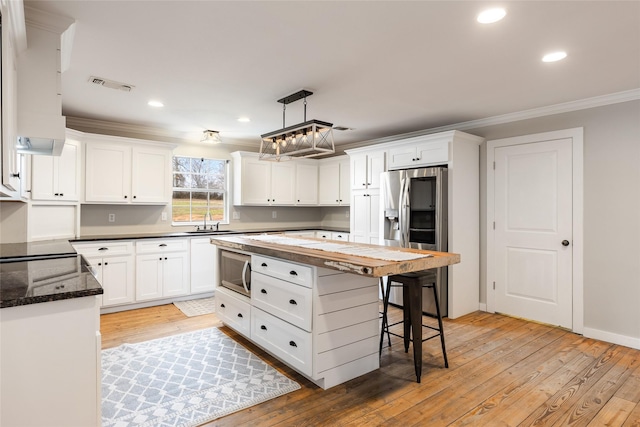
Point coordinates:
[[43, 280], [35, 250]]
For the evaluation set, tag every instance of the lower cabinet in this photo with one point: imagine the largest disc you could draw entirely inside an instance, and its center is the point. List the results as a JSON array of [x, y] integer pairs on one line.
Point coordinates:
[[162, 269], [203, 265], [326, 327]]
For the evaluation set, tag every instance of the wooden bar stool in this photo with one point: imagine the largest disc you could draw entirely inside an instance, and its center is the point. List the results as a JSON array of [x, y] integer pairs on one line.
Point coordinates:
[[412, 285]]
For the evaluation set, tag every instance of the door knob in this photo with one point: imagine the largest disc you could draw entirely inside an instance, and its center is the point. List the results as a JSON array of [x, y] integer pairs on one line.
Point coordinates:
[[565, 243]]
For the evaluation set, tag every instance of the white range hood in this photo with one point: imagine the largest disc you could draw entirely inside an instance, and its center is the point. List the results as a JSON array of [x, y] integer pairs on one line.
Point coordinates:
[[40, 123]]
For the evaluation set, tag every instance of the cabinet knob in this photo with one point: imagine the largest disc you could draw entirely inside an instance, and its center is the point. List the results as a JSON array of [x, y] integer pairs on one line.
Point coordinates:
[[61, 194], [340, 200], [135, 197], [126, 197], [337, 200], [99, 264], [240, 315], [293, 344], [298, 200], [106, 263], [264, 328], [293, 302], [293, 272], [160, 258], [222, 306], [56, 194], [264, 264], [364, 183], [263, 291], [165, 258], [15, 175]]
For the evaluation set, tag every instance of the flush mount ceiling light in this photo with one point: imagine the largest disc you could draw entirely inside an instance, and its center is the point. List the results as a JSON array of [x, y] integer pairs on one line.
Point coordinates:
[[554, 56], [307, 139], [154, 103], [490, 16], [211, 136]]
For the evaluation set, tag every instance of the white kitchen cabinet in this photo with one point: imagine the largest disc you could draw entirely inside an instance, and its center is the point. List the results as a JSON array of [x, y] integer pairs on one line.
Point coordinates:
[[332, 235], [262, 183], [120, 171], [203, 265], [428, 150], [162, 269], [57, 177], [366, 170], [113, 265], [365, 216], [323, 323], [306, 182], [50, 366], [334, 185]]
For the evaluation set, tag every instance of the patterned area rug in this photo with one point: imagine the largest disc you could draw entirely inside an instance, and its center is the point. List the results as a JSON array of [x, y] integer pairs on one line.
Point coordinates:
[[197, 307], [184, 380]]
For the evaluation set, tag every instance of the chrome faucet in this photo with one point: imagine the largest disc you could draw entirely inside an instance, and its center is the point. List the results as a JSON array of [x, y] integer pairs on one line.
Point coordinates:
[[205, 219]]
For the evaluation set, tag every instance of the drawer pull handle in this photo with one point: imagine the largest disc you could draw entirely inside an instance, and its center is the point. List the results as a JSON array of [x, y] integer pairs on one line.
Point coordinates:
[[99, 264], [162, 245], [264, 328], [222, 306], [293, 273], [240, 315], [160, 258], [293, 344], [103, 249], [264, 264], [263, 291], [106, 263], [293, 302]]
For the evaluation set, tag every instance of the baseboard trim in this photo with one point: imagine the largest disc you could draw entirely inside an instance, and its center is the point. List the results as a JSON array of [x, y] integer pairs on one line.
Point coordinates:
[[482, 306], [624, 340]]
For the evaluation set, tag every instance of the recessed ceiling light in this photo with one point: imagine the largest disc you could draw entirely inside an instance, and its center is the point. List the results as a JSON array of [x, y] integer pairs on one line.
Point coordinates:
[[155, 104], [244, 119], [554, 56], [490, 16]]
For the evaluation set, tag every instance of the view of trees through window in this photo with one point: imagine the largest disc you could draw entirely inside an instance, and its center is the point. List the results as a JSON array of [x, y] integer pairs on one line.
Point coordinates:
[[199, 187]]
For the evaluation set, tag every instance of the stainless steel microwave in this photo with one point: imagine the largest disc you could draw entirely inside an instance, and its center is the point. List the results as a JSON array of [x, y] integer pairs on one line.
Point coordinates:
[[235, 271]]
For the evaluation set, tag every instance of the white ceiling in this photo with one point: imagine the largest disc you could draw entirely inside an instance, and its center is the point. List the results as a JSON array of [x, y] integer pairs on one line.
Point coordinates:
[[381, 68]]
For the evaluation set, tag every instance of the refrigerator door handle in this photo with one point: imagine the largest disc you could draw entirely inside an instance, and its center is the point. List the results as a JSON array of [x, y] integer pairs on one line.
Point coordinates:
[[404, 213]]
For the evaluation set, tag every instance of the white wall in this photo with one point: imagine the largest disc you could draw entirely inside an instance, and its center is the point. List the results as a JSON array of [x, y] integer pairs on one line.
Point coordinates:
[[611, 213]]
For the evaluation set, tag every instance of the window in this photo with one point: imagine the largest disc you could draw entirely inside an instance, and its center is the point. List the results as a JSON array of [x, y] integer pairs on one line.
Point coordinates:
[[199, 188]]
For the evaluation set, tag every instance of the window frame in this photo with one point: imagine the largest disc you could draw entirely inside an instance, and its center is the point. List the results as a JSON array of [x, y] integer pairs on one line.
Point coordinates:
[[225, 191]]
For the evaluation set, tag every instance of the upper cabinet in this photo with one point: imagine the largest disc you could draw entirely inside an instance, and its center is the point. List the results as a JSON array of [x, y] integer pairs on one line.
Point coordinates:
[[334, 185], [57, 177], [121, 170], [366, 170], [307, 182], [427, 150], [262, 183]]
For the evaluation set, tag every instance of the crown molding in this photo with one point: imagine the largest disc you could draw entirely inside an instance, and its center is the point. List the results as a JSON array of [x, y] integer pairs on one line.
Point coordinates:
[[565, 107]]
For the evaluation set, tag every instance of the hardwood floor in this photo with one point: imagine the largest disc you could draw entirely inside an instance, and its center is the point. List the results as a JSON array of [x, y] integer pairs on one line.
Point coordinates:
[[502, 372]]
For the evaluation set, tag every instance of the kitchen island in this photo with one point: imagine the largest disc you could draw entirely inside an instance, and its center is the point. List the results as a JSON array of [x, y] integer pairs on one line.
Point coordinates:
[[315, 305]]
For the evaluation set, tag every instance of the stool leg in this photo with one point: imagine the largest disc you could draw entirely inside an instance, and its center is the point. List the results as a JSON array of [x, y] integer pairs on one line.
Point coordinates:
[[415, 305], [406, 316], [444, 350], [385, 319]]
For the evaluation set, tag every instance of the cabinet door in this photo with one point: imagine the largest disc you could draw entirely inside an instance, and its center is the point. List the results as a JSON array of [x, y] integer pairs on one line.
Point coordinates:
[[117, 280], [306, 184], [345, 187], [203, 266], [43, 171], [175, 274], [402, 156], [149, 276], [67, 175], [359, 217], [432, 153], [108, 173], [96, 266], [255, 181], [151, 175], [359, 176], [283, 183], [375, 166], [373, 231], [329, 183]]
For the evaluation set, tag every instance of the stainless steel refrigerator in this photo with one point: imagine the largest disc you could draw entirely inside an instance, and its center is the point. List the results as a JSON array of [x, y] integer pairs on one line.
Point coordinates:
[[414, 204]]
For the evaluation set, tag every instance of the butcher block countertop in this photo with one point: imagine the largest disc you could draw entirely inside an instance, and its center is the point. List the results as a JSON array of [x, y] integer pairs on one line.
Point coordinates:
[[355, 264]]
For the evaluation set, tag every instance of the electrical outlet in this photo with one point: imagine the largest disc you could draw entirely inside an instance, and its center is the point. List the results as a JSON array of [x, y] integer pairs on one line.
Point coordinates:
[[236, 215], [164, 216], [274, 214], [112, 217], [347, 214]]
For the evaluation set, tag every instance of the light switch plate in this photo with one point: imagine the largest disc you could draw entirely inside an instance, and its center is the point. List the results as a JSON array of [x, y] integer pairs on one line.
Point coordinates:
[[164, 216], [236, 215]]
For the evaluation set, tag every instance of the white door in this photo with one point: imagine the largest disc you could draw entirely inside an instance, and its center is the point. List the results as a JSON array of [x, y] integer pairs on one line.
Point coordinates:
[[533, 231]]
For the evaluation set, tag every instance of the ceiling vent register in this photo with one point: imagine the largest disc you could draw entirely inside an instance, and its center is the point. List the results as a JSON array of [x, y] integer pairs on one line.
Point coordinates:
[[307, 139], [111, 84]]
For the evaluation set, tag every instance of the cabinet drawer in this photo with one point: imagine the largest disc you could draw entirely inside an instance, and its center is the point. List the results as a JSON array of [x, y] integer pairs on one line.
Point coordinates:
[[161, 245], [285, 300], [103, 249], [234, 312], [283, 340], [343, 237], [289, 271]]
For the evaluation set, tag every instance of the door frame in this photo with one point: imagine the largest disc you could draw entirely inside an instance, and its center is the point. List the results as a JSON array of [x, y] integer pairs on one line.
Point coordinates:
[[576, 136]]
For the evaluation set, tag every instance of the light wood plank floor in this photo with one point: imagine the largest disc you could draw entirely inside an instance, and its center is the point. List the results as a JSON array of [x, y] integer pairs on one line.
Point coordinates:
[[502, 372]]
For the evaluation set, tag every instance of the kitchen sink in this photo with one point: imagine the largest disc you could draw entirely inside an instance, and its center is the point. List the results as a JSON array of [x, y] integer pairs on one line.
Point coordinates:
[[210, 232]]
